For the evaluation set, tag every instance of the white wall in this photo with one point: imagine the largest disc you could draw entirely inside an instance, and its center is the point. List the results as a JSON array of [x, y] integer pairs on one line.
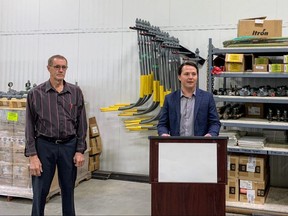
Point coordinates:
[[103, 55]]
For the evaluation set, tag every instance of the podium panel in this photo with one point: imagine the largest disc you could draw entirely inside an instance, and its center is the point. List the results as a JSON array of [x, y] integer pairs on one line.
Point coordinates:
[[188, 199], [188, 175], [184, 154]]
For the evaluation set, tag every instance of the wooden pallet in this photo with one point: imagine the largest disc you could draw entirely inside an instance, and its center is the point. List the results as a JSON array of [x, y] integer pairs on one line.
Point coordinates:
[[11, 192], [13, 103], [83, 177]]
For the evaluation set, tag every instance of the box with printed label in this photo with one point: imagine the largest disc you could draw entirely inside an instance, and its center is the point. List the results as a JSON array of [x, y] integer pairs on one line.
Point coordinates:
[[259, 27], [93, 127], [260, 68], [232, 166], [232, 190], [234, 62], [276, 68], [254, 110], [239, 62], [253, 191], [253, 168]]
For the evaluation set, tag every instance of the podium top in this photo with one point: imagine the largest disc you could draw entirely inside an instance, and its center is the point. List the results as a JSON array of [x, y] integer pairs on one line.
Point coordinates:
[[187, 138]]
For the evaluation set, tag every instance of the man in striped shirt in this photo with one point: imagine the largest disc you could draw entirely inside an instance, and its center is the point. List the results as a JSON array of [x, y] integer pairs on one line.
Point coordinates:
[[55, 133]]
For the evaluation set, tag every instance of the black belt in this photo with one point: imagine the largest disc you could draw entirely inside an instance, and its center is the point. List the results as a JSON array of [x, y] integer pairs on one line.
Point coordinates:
[[57, 140]]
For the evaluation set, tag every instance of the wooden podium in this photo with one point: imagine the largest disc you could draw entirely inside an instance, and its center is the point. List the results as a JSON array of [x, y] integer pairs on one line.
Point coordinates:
[[188, 175]]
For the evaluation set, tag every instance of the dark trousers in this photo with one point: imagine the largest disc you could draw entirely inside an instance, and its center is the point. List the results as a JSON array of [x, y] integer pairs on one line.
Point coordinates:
[[52, 155]]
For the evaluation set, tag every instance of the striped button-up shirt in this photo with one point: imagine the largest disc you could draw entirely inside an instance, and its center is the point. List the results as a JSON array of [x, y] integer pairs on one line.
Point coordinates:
[[55, 115], [187, 115]]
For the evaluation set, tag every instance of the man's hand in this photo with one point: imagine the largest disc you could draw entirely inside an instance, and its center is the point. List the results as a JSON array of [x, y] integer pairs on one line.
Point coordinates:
[[79, 159], [164, 134], [35, 166]]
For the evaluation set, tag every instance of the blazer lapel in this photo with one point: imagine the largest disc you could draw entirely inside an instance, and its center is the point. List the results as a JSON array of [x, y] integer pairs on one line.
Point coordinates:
[[177, 103], [198, 99]]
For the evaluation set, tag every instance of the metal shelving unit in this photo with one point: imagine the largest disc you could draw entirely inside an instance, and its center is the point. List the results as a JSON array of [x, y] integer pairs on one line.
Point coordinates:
[[255, 123], [247, 122], [252, 99], [272, 51], [271, 149], [252, 75]]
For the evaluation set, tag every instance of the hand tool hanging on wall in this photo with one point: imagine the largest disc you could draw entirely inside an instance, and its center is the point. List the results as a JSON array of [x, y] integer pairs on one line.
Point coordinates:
[[145, 68], [150, 71], [169, 53], [156, 39], [159, 57], [170, 59], [166, 61]]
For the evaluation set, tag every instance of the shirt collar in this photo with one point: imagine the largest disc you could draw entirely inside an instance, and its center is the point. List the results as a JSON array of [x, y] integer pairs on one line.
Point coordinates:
[[182, 95], [49, 87]]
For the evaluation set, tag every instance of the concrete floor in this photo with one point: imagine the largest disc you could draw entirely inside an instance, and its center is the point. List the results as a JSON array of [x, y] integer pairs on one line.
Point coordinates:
[[93, 197]]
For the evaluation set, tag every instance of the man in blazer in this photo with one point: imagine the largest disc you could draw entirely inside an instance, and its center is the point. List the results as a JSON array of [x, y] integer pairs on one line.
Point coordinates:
[[189, 111]]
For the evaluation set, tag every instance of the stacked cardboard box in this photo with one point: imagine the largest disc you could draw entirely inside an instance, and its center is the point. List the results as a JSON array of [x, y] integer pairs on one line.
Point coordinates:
[[239, 62], [273, 64], [248, 178], [15, 178], [232, 187], [95, 145], [254, 178], [13, 164]]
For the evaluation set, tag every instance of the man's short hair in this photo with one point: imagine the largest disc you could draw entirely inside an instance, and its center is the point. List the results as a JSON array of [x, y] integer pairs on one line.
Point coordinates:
[[187, 63], [51, 59]]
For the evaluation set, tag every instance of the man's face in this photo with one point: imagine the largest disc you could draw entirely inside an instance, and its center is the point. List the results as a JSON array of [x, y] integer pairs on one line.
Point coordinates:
[[188, 77], [57, 69]]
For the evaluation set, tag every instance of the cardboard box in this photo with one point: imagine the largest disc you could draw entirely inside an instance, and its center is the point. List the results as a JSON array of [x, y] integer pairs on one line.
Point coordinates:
[[262, 60], [91, 164], [94, 162], [276, 68], [254, 110], [95, 145], [285, 59], [285, 68], [6, 173], [232, 166], [259, 27], [93, 127], [239, 62], [234, 62], [232, 190], [253, 168], [260, 68], [253, 191], [21, 175]]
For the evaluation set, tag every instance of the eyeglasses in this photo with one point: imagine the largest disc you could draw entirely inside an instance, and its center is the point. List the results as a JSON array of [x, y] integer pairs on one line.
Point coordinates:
[[58, 67]]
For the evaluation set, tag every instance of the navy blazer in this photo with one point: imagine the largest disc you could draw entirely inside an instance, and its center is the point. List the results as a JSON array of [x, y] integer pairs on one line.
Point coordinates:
[[206, 119]]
